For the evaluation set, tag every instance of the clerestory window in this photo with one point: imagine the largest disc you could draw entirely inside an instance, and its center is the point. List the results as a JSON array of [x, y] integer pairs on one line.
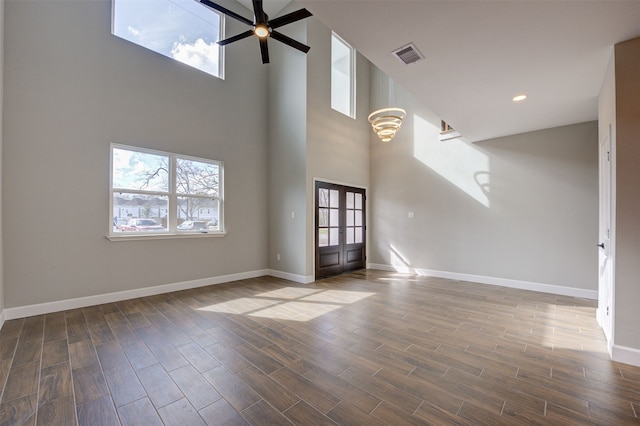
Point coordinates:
[[343, 76], [183, 30]]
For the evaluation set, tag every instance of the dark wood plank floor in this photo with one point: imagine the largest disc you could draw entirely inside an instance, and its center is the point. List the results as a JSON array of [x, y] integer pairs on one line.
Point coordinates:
[[366, 348]]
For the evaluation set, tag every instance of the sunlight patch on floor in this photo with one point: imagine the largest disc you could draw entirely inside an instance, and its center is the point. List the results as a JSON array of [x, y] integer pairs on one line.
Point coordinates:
[[289, 293], [290, 303], [296, 311], [240, 306]]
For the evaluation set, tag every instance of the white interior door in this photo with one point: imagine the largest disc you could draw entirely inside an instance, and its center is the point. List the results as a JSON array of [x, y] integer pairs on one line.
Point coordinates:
[[605, 252]]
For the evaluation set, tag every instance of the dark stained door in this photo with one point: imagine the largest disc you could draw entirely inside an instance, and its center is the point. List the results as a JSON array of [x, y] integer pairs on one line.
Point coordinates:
[[340, 229]]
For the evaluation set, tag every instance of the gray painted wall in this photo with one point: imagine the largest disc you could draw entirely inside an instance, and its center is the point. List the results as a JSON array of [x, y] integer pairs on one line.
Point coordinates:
[[71, 89], [337, 145], [627, 148], [287, 152], [309, 140], [523, 207], [1, 171]]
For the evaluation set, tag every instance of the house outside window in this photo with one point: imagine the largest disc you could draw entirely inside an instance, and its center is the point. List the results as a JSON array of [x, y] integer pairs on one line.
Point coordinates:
[[161, 193]]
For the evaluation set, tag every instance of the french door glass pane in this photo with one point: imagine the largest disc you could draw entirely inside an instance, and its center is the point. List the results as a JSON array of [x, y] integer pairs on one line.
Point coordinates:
[[334, 217], [359, 201], [358, 235], [334, 198], [350, 201], [350, 219], [358, 221], [350, 235], [333, 236], [323, 197], [323, 217], [323, 237]]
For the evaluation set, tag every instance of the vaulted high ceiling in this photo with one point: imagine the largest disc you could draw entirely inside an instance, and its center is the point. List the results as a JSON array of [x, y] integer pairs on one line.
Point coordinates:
[[479, 54]]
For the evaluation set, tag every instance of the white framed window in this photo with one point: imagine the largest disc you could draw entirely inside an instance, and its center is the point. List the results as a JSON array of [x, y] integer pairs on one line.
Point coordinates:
[[160, 193], [343, 76], [184, 30]]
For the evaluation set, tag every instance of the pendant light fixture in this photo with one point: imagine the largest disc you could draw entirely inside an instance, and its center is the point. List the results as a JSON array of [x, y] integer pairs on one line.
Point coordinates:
[[386, 122], [385, 119]]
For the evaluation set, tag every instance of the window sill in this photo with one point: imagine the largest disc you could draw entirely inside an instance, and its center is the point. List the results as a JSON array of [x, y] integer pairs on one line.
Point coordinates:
[[138, 237]]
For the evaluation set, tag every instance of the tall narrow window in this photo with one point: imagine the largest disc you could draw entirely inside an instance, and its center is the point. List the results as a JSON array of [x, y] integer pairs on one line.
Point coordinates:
[[343, 71], [158, 193], [183, 30]]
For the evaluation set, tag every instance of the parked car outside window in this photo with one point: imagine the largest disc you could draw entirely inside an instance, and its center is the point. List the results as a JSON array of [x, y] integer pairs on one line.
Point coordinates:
[[138, 224], [193, 225]]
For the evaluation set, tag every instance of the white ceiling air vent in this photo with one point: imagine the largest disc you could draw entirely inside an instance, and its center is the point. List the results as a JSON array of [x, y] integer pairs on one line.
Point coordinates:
[[408, 54]]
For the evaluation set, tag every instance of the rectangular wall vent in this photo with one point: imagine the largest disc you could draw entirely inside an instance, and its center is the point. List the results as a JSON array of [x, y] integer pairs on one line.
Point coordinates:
[[408, 54]]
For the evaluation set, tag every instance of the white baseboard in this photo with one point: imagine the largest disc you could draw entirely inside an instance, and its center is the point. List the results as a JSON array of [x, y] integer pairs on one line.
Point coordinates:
[[301, 279], [625, 355], [81, 302], [503, 282]]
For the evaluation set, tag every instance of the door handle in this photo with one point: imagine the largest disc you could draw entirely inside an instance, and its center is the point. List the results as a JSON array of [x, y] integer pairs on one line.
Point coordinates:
[[601, 245]]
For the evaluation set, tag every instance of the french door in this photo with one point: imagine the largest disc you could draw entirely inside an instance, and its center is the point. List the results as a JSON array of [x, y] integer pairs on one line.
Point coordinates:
[[340, 229]]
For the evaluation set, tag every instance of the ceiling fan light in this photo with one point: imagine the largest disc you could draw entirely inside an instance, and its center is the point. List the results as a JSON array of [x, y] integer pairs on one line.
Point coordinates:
[[262, 31]]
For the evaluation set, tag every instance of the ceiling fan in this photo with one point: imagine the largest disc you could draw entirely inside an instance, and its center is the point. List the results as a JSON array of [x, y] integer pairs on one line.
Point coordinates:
[[262, 27]]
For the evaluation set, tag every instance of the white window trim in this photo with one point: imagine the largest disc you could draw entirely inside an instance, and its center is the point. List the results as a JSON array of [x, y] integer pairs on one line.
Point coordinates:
[[172, 223], [166, 236], [352, 79]]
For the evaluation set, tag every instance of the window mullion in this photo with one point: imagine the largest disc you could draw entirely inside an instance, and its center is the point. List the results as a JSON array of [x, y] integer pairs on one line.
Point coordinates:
[[172, 214], [138, 191]]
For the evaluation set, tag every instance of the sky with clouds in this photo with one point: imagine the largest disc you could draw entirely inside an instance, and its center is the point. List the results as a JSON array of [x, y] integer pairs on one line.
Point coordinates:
[[131, 170], [184, 30]]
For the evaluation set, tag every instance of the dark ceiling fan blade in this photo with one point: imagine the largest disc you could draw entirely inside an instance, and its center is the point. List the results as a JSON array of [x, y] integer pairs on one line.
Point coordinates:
[[264, 50], [240, 36], [258, 11], [226, 11], [289, 41], [289, 18]]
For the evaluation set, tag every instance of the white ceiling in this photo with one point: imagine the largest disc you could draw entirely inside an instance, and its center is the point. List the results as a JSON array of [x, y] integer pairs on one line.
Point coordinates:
[[271, 7], [479, 54]]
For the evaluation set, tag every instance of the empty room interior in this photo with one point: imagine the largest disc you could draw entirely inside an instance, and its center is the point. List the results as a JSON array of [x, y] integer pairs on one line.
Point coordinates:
[[317, 212]]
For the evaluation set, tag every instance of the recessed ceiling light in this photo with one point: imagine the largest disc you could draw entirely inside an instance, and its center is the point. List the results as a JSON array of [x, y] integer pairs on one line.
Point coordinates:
[[519, 98]]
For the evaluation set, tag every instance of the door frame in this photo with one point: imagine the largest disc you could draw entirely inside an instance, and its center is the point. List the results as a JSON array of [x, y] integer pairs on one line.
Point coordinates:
[[313, 217]]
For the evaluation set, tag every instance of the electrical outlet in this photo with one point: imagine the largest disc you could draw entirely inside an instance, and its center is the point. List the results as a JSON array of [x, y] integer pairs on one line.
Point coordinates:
[[278, 256]]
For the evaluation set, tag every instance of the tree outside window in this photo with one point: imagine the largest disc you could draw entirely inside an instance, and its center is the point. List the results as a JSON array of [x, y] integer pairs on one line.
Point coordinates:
[[178, 193]]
